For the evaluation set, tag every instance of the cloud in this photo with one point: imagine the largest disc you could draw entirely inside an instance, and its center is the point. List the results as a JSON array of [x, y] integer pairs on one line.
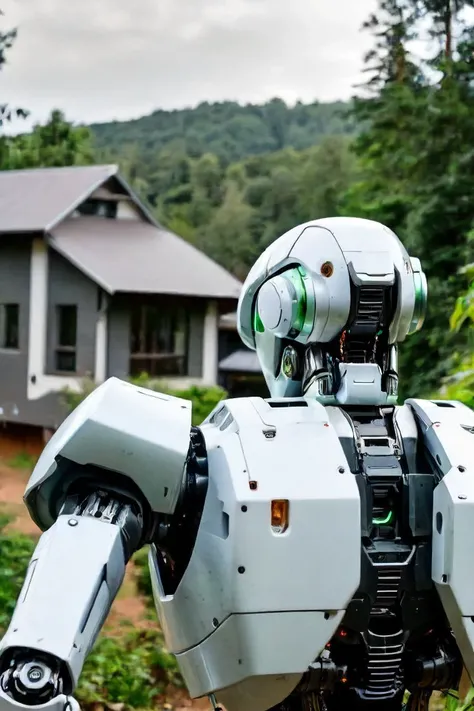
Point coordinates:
[[118, 59]]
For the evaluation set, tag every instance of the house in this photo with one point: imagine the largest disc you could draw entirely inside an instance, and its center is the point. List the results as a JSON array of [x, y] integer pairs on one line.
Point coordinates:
[[239, 369], [92, 285]]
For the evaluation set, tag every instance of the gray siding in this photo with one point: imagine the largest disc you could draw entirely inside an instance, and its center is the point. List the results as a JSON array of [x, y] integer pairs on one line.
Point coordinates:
[[118, 340], [196, 336], [67, 285], [15, 258]]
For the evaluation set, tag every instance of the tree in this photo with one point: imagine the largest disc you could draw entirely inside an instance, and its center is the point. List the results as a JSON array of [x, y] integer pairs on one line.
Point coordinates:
[[54, 144], [460, 383], [444, 14], [227, 237], [7, 39], [416, 159]]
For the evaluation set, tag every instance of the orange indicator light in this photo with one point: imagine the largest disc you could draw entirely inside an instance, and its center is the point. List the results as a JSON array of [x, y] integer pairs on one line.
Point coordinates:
[[280, 510]]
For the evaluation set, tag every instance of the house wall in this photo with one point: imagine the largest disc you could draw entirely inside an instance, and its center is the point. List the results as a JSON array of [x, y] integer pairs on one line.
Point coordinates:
[[118, 342], [15, 257], [15, 366], [67, 285], [196, 342]]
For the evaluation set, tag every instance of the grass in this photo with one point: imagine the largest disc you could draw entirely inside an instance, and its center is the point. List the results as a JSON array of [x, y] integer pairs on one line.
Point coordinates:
[[23, 461]]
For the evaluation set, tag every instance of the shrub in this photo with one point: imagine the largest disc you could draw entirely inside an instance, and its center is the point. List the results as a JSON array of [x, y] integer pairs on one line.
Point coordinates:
[[16, 550], [142, 578], [460, 385], [133, 670]]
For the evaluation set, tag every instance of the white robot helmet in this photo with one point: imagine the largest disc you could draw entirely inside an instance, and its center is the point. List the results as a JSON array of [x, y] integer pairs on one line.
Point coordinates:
[[325, 306]]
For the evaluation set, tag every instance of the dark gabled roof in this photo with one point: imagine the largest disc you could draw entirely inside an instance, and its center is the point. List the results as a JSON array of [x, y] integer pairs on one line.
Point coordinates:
[[37, 200], [134, 256], [120, 255]]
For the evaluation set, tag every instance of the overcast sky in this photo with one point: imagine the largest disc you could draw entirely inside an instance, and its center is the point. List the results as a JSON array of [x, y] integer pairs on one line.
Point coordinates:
[[104, 59]]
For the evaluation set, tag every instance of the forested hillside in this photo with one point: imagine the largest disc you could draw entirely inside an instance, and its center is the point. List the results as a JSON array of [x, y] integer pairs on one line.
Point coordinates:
[[227, 129]]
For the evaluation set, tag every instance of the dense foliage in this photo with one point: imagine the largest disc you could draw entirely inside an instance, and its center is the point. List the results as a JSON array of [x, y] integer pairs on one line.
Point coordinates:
[[416, 158], [460, 384], [15, 553], [227, 129]]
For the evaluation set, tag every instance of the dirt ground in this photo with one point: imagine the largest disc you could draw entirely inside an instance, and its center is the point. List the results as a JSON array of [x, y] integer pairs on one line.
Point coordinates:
[[128, 606]]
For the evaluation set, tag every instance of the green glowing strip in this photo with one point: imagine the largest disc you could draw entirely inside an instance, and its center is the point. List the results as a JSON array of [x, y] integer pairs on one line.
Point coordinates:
[[296, 277], [383, 521], [257, 323]]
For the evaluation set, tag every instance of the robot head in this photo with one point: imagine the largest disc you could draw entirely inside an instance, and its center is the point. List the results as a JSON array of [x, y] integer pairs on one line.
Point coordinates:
[[324, 307]]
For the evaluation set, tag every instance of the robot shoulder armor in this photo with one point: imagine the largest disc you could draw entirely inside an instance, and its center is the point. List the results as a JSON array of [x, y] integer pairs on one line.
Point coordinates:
[[121, 428], [440, 412], [447, 427]]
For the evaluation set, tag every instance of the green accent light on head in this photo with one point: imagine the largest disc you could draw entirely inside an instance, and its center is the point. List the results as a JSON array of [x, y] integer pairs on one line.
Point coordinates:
[[296, 278], [257, 323], [384, 520], [421, 297]]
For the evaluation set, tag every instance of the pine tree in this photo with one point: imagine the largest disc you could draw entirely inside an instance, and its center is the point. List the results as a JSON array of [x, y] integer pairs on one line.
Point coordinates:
[[389, 109], [416, 152]]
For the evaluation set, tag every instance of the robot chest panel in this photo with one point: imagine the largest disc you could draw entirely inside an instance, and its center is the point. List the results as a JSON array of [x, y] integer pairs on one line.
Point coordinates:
[[292, 465], [280, 529]]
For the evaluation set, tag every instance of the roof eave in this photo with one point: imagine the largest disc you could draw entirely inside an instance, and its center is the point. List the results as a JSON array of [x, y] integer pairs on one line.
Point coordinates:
[[112, 172], [87, 272], [136, 201], [158, 292]]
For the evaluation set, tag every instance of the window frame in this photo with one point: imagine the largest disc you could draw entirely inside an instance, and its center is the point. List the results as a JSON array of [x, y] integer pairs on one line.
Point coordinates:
[[4, 347], [111, 208], [151, 358], [64, 349]]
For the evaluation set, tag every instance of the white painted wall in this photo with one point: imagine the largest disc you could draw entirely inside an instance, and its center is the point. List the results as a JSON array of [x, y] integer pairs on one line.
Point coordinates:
[[210, 344], [38, 326], [101, 338], [127, 211], [38, 330]]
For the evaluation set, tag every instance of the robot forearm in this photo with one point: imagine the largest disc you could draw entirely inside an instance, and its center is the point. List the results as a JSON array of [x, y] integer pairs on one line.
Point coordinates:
[[73, 577]]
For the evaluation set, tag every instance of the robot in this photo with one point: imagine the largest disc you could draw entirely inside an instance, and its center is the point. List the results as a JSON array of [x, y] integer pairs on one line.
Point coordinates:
[[310, 551]]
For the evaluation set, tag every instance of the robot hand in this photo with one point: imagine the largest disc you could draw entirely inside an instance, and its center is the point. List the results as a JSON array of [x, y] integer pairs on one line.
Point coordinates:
[[34, 682]]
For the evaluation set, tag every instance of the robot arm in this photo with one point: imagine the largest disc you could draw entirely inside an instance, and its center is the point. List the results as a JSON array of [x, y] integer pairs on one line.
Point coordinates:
[[73, 577], [110, 478]]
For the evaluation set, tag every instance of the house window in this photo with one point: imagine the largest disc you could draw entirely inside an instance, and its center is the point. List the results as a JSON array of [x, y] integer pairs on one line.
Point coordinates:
[[99, 208], [66, 338], [9, 326], [159, 337]]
